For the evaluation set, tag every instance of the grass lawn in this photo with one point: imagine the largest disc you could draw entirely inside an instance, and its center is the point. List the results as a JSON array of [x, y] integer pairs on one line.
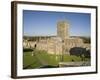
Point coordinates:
[[42, 58], [29, 61]]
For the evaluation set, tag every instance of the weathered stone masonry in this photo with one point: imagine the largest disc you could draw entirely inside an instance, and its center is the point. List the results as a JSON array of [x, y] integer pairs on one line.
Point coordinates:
[[62, 43]]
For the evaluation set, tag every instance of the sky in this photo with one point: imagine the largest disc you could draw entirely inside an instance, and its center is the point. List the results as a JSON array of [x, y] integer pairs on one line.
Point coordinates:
[[44, 23]]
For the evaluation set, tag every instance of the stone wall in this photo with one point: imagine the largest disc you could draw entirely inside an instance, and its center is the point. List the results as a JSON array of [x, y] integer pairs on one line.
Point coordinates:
[[56, 45], [62, 43], [63, 29], [51, 45]]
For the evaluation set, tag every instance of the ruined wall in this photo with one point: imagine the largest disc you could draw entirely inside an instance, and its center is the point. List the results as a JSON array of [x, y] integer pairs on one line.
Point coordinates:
[[62, 43], [52, 46]]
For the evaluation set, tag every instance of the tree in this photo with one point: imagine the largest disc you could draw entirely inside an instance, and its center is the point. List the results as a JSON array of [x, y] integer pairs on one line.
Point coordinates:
[[78, 51]]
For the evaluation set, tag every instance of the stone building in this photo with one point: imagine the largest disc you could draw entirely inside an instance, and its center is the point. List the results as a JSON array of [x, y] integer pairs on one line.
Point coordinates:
[[63, 30], [62, 43]]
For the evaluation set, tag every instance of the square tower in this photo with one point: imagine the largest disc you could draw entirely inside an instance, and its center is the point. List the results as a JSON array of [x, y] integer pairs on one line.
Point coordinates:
[[63, 29]]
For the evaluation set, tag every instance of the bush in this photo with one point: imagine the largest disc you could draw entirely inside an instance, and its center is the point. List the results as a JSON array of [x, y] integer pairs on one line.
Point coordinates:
[[27, 50]]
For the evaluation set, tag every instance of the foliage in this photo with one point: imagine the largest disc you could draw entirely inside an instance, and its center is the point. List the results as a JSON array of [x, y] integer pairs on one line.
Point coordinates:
[[27, 49], [83, 53], [86, 39]]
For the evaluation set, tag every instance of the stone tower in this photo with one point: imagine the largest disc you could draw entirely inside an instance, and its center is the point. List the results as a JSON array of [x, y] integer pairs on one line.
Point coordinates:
[[63, 29]]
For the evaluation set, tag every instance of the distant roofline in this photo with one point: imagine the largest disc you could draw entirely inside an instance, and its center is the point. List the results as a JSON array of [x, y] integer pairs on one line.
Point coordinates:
[[54, 36]]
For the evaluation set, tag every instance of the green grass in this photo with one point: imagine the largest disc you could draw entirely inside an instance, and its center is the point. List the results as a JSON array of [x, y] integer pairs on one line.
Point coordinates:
[[69, 58], [29, 61], [48, 58], [42, 58]]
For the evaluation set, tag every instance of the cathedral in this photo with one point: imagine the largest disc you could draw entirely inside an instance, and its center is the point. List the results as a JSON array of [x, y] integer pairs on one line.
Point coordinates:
[[59, 44]]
